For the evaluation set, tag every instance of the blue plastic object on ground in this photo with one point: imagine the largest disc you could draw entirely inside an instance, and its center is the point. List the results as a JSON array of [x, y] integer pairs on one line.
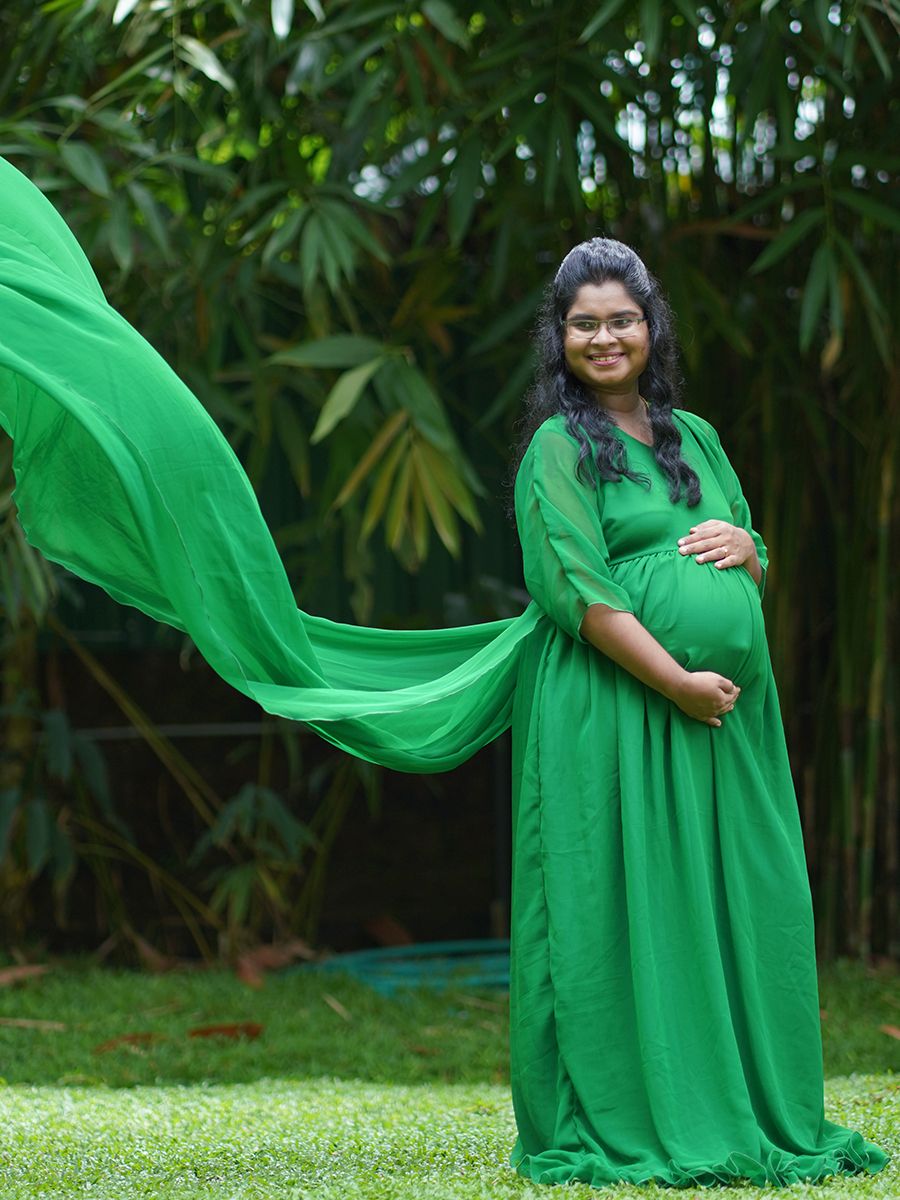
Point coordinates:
[[477, 963]]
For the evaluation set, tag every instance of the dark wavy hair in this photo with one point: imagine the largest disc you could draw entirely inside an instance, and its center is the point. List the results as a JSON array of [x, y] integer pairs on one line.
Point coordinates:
[[557, 390]]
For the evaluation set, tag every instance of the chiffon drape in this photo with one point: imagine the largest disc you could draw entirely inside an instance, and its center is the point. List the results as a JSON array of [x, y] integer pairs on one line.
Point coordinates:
[[124, 478]]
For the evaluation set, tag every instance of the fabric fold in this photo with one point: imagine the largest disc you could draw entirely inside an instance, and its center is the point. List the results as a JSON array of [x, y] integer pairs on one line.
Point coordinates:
[[123, 478], [777, 1168]]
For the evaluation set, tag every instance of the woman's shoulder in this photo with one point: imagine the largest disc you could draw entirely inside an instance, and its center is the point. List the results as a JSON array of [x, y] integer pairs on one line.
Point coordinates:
[[552, 431], [697, 424], [551, 445], [555, 423]]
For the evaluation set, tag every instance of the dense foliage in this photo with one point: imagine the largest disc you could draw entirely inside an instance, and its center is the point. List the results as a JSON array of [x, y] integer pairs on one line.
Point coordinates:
[[335, 221]]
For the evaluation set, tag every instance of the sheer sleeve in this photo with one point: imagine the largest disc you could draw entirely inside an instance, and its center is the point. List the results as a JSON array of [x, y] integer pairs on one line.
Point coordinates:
[[740, 509], [564, 553]]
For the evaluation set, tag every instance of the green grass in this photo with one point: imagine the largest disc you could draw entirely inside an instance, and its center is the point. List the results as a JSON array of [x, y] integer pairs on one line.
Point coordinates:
[[407, 1099]]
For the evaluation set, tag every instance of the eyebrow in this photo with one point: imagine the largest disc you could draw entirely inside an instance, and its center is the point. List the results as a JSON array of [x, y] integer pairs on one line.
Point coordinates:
[[623, 312]]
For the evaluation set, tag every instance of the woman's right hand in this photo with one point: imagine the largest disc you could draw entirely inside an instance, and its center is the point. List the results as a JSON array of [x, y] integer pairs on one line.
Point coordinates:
[[703, 694]]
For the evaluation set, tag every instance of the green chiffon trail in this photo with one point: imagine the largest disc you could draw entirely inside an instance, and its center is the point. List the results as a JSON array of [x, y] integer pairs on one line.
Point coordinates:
[[124, 478], [664, 1005]]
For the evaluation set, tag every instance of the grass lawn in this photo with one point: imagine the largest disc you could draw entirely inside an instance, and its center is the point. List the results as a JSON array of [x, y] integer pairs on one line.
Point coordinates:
[[342, 1093]]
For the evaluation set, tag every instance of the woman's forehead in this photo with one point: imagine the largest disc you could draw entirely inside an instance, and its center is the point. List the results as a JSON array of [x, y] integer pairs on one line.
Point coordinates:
[[610, 295]]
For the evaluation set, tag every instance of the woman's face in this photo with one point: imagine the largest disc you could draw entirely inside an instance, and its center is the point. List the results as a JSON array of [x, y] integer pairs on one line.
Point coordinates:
[[609, 366]]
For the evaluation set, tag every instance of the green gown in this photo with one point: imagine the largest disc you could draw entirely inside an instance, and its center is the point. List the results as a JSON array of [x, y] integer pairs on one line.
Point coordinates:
[[663, 998], [665, 1017]]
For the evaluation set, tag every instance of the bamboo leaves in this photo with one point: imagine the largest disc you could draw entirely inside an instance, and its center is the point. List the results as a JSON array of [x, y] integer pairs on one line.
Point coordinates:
[[38, 580], [878, 213], [199, 55], [154, 218], [716, 311], [86, 165], [363, 356], [339, 350], [823, 276], [411, 175], [343, 397], [376, 456], [330, 244], [419, 477], [875, 44], [434, 476], [28, 584], [414, 489], [123, 9], [467, 176], [869, 297], [282, 14], [651, 28], [808, 221], [293, 441], [814, 294], [601, 17], [284, 236], [443, 17]]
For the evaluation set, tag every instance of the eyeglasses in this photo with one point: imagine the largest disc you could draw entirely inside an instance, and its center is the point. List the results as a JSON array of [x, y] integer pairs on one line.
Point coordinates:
[[619, 327]]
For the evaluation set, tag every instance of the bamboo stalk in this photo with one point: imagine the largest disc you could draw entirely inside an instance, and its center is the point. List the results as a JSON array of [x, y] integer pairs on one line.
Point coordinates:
[[846, 753], [875, 706]]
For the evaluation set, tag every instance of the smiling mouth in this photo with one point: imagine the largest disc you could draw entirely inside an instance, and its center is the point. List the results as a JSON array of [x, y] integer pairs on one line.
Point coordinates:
[[611, 358]]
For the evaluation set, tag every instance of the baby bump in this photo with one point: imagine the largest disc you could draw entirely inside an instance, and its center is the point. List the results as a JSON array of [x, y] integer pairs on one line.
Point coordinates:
[[708, 618]]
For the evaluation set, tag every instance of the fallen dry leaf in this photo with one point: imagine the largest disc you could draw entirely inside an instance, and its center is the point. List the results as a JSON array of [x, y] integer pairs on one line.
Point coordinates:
[[234, 1029], [252, 964], [128, 1039], [172, 1006], [249, 974], [881, 964], [32, 1023], [477, 1002], [152, 958], [334, 1003], [12, 975], [387, 931], [278, 954]]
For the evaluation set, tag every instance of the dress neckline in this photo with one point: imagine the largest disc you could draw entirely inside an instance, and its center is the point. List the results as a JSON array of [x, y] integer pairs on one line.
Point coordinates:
[[650, 445], [647, 445], [640, 442]]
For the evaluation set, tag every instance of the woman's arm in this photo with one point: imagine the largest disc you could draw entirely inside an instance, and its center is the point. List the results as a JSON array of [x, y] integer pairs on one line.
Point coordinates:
[[622, 637], [564, 556], [754, 566]]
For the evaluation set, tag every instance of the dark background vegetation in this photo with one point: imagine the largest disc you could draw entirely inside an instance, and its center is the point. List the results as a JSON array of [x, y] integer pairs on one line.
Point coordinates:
[[335, 220]]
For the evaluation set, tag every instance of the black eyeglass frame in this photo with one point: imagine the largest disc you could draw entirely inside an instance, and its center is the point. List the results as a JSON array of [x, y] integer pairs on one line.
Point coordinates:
[[567, 322]]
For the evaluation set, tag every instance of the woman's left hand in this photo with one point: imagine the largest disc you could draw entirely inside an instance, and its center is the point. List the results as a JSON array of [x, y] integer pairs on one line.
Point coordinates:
[[726, 545]]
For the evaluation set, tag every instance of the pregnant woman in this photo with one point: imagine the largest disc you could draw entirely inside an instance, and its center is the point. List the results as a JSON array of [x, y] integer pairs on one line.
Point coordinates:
[[665, 1020], [664, 998]]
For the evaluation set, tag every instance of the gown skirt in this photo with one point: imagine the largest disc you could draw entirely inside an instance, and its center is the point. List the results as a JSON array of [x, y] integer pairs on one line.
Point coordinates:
[[663, 995]]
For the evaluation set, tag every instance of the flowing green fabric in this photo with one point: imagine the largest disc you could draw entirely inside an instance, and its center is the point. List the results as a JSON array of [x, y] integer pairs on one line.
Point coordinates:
[[124, 478], [664, 1007]]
